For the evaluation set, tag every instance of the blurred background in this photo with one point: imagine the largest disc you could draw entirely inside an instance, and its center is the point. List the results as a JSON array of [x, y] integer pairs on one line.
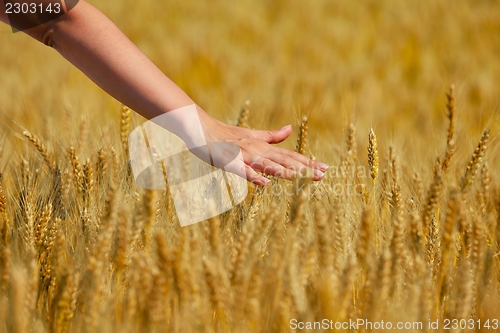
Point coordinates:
[[385, 64]]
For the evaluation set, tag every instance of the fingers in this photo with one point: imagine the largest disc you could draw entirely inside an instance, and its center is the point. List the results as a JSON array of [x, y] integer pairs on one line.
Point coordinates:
[[254, 177], [296, 166], [302, 159], [284, 167], [228, 156], [270, 167], [283, 163], [259, 155], [275, 136]]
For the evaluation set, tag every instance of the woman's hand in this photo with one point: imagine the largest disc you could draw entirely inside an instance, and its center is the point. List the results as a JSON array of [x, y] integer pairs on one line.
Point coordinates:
[[258, 152]]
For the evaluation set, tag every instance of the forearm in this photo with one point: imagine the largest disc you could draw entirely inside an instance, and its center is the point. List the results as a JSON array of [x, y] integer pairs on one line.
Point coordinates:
[[92, 43]]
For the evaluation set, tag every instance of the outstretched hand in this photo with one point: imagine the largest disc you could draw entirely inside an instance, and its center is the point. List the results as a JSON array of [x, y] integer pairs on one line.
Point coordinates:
[[258, 152]]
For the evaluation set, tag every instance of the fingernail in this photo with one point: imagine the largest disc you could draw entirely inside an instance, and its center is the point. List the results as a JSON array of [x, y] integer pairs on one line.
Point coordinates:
[[319, 174], [265, 181], [322, 166], [286, 126]]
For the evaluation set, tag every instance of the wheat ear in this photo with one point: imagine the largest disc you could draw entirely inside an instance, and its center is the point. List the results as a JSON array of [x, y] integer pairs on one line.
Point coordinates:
[[302, 139], [373, 166], [351, 143], [373, 155], [125, 128], [244, 114], [3, 212], [475, 161], [450, 138], [48, 158]]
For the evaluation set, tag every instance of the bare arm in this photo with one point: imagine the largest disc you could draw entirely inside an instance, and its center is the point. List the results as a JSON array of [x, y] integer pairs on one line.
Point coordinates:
[[3, 15], [92, 43]]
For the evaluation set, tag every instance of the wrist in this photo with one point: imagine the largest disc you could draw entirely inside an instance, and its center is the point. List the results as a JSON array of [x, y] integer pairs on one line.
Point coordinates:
[[188, 123]]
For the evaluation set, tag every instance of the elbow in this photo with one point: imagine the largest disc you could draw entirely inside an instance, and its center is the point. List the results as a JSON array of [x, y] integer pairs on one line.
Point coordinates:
[[48, 32], [47, 35]]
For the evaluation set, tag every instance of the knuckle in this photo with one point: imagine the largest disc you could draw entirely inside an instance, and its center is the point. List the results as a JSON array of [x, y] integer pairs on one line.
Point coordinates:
[[254, 164], [288, 161], [267, 162], [243, 141], [267, 166]]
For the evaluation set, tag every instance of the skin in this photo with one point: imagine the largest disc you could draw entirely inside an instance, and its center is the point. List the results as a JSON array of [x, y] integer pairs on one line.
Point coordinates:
[[92, 43]]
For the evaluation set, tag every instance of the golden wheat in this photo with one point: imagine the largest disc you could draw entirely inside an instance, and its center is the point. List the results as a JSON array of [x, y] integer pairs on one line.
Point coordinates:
[[393, 234]]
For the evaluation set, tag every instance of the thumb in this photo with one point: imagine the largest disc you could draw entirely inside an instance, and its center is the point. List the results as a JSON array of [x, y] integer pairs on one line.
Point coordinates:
[[275, 136]]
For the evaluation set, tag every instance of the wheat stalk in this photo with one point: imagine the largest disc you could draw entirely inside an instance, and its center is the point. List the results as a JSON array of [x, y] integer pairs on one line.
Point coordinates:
[[47, 157], [373, 166], [88, 183], [125, 115], [79, 177], [475, 161], [363, 244], [244, 115], [5, 226], [101, 167], [450, 138], [302, 138], [373, 155]]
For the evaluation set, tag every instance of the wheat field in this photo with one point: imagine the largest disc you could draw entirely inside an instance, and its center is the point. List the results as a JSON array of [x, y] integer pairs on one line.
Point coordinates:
[[400, 98]]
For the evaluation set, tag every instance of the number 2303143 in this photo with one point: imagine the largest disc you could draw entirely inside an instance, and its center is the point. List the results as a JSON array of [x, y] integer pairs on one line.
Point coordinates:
[[32, 8]]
